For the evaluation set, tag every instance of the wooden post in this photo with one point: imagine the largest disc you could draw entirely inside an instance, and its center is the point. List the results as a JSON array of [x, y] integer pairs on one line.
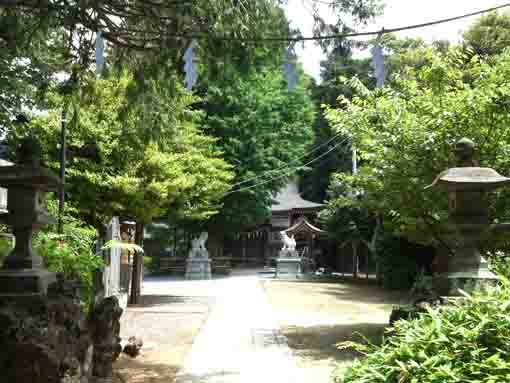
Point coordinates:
[[243, 247], [312, 256], [136, 279]]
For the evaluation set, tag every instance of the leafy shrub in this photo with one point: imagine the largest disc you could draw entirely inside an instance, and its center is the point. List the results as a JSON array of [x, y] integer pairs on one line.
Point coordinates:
[[401, 261], [5, 248], [499, 263], [72, 255], [149, 263], [423, 284], [398, 269], [466, 341]]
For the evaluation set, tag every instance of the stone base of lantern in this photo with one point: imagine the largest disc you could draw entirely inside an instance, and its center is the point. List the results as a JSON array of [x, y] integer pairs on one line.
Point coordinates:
[[450, 284], [25, 282], [198, 268], [467, 271], [464, 275]]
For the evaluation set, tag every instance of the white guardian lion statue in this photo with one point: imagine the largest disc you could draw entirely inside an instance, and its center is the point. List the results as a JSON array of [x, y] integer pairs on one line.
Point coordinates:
[[198, 243], [289, 243]]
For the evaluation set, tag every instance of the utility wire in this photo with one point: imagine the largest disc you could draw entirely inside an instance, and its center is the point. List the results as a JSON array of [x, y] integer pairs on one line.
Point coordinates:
[[287, 174], [288, 164], [344, 35], [324, 2]]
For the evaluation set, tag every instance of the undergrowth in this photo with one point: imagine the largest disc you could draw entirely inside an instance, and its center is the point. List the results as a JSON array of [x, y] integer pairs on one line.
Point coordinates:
[[465, 341]]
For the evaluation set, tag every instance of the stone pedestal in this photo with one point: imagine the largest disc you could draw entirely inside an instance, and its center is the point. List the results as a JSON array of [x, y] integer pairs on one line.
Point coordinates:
[[198, 268], [25, 282], [288, 264]]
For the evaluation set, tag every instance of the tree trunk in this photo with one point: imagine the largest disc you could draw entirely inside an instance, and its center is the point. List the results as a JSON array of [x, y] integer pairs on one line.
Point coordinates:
[[136, 276], [373, 248]]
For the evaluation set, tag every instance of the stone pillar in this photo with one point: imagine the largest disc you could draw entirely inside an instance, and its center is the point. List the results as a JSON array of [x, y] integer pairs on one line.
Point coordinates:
[[288, 263]]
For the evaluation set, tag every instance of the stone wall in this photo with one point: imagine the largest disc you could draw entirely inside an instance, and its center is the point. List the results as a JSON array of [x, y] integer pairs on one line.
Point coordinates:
[[50, 339]]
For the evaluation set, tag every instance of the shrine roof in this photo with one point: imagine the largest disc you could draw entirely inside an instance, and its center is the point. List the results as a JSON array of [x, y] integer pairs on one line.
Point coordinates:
[[289, 199], [303, 226]]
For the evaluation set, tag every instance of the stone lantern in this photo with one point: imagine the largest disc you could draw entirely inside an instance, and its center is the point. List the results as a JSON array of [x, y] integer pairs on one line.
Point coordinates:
[[27, 183], [468, 186]]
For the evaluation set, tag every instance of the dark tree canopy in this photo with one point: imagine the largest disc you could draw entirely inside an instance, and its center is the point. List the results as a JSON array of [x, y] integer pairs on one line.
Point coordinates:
[[135, 24]]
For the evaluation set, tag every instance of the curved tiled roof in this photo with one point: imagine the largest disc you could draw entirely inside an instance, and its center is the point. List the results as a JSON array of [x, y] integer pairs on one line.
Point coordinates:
[[303, 226], [288, 198]]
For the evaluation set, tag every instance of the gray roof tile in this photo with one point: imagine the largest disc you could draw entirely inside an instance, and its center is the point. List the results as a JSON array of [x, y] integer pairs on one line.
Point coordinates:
[[288, 198]]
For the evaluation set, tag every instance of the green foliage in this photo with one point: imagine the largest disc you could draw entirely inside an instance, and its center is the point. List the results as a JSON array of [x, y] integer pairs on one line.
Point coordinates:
[[349, 14], [466, 341], [344, 217], [143, 160], [499, 263], [405, 134], [5, 248], [259, 126], [149, 264], [423, 284], [335, 148], [71, 253], [490, 35], [398, 267]]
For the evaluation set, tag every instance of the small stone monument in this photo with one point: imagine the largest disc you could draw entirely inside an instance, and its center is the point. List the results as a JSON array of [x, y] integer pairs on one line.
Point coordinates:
[[288, 261], [23, 272], [198, 264], [467, 185]]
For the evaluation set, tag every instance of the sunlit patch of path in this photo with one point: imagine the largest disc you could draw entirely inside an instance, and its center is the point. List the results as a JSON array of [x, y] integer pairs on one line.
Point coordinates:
[[241, 340]]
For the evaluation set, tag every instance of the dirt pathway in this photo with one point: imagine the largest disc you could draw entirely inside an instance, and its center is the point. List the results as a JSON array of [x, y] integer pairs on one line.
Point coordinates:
[[168, 319]]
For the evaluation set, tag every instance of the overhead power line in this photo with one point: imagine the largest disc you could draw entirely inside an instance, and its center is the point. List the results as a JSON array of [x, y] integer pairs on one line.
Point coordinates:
[[345, 35], [293, 170], [324, 2], [288, 164]]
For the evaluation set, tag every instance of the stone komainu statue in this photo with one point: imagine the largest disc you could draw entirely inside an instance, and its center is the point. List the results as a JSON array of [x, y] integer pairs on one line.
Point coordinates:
[[289, 243], [198, 244]]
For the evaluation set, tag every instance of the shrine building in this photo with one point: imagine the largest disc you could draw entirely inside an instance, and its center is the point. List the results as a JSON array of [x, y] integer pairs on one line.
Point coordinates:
[[290, 213]]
